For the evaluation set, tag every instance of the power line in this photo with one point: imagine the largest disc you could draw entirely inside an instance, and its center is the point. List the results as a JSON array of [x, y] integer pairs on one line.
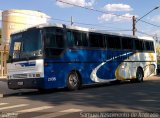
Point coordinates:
[[149, 23], [52, 18], [86, 24], [147, 34], [106, 12], [117, 29], [79, 22], [147, 14], [94, 25], [144, 33], [56, 19], [92, 9], [85, 8]]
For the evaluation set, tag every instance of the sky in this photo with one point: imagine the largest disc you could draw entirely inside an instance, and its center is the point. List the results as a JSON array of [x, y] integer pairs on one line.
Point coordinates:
[[61, 13]]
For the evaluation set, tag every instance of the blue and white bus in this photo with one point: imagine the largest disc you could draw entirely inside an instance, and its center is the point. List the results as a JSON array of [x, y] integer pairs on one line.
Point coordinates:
[[59, 56]]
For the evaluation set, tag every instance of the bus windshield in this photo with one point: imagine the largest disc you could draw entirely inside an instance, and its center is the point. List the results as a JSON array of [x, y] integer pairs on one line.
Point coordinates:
[[26, 45]]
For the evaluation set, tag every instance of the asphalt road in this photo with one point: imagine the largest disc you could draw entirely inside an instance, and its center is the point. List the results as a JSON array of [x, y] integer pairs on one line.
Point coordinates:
[[125, 97]]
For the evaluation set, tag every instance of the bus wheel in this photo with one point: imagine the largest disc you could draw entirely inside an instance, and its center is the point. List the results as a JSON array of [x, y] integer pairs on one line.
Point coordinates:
[[73, 81], [139, 75], [116, 82], [42, 90]]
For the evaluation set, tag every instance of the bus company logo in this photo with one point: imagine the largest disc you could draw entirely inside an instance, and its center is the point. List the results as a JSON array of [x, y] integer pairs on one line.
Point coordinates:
[[28, 64]]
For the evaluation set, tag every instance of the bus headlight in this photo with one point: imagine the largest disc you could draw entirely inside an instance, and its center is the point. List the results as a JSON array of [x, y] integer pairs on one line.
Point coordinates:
[[38, 75], [29, 75], [34, 75]]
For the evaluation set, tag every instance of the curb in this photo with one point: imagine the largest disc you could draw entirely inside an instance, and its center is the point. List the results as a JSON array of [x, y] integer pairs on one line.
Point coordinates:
[[5, 91], [2, 95], [17, 93]]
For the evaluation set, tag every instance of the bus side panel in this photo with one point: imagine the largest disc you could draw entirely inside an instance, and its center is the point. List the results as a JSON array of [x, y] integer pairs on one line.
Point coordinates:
[[107, 67], [55, 74], [93, 66], [146, 61]]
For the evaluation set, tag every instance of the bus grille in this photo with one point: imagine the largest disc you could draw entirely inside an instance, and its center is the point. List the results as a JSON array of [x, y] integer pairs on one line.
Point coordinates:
[[20, 76]]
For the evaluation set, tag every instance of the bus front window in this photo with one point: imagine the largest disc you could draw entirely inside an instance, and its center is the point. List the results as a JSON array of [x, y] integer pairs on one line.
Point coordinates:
[[26, 45]]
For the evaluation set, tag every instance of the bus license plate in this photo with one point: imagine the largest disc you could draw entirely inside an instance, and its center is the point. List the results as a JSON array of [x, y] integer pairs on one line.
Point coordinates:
[[20, 83]]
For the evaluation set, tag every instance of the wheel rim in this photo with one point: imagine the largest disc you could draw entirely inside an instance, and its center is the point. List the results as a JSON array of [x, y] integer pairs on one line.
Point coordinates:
[[139, 76], [73, 80]]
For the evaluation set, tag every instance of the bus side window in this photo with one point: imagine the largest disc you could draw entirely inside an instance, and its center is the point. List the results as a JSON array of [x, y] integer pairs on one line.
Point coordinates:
[[76, 38], [93, 40], [113, 42], [147, 45], [137, 44], [127, 43], [151, 46], [70, 39], [141, 45], [59, 38], [84, 39], [54, 42], [110, 42], [97, 40], [117, 41]]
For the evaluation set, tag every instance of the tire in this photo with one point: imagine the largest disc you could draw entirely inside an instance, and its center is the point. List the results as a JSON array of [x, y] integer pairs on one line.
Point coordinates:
[[73, 81], [139, 75], [116, 82], [42, 90]]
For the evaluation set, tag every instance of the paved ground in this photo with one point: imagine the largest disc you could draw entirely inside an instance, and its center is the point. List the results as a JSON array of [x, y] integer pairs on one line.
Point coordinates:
[[125, 97], [4, 91]]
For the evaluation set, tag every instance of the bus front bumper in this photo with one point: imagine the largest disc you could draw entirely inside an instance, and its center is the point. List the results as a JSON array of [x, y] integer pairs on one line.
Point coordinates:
[[29, 83]]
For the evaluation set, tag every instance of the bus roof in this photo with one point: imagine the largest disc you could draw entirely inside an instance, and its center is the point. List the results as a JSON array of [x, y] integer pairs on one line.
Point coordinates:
[[146, 38], [73, 27]]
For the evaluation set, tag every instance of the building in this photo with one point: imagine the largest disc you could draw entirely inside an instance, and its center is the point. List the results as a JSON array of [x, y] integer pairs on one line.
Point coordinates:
[[13, 21]]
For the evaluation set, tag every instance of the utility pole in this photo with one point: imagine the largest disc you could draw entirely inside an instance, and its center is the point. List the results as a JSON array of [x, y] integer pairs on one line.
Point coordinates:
[[71, 21], [134, 25]]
